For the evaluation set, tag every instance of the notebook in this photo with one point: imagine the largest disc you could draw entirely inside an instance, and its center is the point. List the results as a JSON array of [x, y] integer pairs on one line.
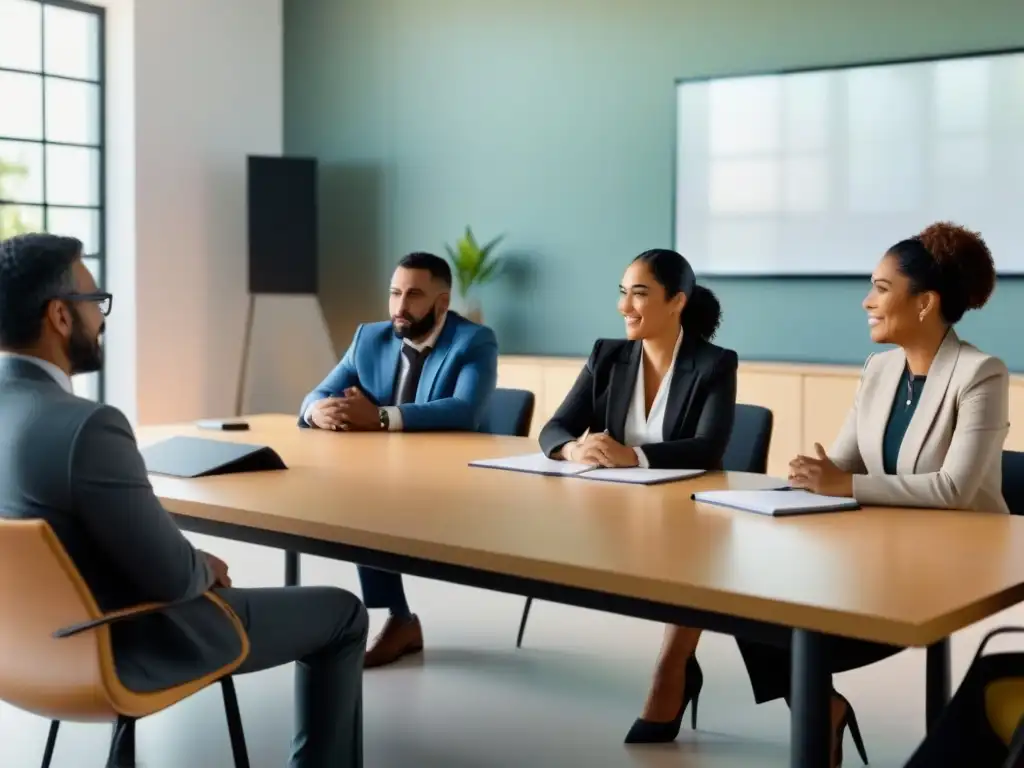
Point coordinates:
[[639, 475], [535, 464], [539, 464], [777, 503]]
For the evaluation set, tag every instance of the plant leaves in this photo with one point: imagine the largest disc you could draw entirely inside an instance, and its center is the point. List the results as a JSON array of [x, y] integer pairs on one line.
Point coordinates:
[[489, 272], [490, 246], [462, 278], [486, 250], [457, 258], [470, 262]]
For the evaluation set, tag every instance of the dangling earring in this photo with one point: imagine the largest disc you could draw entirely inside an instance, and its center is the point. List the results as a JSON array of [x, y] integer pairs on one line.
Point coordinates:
[[920, 318]]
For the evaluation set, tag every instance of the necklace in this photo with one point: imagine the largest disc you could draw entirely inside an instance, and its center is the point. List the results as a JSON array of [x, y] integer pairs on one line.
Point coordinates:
[[910, 388]]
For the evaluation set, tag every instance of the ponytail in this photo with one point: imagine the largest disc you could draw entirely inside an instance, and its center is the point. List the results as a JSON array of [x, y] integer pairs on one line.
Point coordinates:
[[702, 314]]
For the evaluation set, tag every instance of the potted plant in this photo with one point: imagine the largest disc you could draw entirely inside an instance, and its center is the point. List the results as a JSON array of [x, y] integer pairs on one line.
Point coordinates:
[[472, 266]]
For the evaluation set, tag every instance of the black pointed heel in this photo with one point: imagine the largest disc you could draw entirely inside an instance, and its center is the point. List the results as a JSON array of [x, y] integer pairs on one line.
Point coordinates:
[[650, 732], [849, 721]]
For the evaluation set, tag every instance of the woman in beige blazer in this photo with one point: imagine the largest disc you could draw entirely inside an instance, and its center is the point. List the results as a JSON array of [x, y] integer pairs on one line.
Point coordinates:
[[927, 424]]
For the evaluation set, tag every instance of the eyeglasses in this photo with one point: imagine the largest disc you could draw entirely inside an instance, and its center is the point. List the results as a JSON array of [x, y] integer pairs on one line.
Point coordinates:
[[103, 300]]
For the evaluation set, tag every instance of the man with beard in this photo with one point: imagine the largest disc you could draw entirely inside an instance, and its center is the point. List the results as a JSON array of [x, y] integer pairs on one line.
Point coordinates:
[[428, 369], [75, 464]]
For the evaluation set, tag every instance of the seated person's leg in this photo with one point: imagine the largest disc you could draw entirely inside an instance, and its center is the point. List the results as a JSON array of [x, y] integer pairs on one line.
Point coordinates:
[[402, 634], [676, 686], [383, 589], [770, 671], [323, 629]]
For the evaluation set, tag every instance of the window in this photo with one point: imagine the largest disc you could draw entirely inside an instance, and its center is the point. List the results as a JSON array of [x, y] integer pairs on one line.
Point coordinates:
[[51, 129], [885, 126], [768, 143], [965, 93], [759, 150]]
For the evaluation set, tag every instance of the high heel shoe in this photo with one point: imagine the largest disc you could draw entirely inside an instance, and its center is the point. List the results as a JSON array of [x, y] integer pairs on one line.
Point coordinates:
[[651, 732], [849, 719]]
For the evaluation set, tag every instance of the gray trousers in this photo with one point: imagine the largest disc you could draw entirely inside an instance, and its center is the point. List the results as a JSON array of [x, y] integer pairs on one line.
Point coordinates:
[[323, 629]]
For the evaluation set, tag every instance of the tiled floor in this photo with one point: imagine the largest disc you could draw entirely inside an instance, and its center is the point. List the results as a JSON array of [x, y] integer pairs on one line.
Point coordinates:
[[565, 699]]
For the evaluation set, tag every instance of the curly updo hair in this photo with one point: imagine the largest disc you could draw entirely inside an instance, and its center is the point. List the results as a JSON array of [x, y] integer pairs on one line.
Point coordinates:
[[952, 261]]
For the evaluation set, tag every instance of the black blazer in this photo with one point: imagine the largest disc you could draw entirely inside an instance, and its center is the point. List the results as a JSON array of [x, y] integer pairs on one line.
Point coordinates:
[[698, 415]]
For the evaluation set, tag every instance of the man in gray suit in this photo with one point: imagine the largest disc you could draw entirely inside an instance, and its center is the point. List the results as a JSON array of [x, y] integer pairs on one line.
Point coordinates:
[[75, 464]]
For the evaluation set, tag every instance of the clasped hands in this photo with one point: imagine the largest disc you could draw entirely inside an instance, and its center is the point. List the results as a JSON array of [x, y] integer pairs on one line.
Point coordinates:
[[820, 475], [353, 411], [601, 450]]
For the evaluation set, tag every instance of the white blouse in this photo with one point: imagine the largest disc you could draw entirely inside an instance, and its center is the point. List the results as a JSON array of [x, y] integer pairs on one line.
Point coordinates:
[[650, 428]]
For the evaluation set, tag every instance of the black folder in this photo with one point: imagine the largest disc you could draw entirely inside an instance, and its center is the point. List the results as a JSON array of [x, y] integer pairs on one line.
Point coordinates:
[[196, 457]]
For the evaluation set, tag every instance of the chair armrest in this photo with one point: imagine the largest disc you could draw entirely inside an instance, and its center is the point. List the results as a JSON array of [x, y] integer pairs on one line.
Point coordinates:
[[995, 633], [120, 615]]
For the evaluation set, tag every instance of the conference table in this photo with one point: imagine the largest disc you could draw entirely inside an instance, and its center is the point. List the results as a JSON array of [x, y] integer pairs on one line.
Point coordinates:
[[411, 503]]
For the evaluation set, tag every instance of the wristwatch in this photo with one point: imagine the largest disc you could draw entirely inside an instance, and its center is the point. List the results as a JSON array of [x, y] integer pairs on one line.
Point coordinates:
[[385, 421]]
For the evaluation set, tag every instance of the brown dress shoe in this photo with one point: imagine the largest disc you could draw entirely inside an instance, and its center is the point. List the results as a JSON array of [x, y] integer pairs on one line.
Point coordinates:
[[400, 637]]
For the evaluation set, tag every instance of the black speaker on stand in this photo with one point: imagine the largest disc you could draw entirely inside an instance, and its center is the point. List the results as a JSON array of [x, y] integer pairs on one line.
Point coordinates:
[[282, 213]]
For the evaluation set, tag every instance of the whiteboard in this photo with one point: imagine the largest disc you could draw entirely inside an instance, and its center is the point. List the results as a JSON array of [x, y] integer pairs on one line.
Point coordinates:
[[819, 172]]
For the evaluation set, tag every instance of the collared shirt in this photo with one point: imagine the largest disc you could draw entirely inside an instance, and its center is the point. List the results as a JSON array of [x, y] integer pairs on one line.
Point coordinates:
[[393, 411], [642, 427], [55, 372]]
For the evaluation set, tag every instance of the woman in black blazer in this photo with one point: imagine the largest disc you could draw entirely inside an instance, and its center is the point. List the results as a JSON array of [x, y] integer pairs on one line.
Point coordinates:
[[663, 398]]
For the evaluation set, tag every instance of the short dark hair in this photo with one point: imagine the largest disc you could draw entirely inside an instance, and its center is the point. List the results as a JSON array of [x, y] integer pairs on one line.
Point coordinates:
[[952, 261], [34, 269], [435, 265], [703, 313]]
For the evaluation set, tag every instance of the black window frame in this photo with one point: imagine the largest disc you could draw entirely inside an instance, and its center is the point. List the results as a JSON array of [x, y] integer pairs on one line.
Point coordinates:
[[100, 208]]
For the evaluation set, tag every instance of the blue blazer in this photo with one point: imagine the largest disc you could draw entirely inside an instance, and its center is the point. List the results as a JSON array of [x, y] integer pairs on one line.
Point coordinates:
[[455, 386]]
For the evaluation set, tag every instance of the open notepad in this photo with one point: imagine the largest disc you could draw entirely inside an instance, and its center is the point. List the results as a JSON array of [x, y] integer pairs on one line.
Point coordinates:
[[539, 464], [777, 502]]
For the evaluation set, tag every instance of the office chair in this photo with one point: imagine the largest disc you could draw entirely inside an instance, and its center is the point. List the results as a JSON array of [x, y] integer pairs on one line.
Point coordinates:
[[1004, 701], [1013, 481], [747, 451], [510, 412], [56, 659], [1003, 704]]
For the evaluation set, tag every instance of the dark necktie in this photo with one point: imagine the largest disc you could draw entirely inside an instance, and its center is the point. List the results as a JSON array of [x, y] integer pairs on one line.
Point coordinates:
[[407, 386]]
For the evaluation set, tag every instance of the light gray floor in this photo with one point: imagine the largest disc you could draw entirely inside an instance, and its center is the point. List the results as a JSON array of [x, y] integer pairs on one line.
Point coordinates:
[[565, 699]]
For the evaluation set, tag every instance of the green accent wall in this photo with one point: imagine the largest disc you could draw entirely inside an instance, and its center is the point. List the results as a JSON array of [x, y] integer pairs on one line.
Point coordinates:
[[553, 121]]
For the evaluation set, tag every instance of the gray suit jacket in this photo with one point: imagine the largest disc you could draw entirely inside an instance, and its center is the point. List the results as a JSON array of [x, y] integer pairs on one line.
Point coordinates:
[[951, 456], [75, 464]]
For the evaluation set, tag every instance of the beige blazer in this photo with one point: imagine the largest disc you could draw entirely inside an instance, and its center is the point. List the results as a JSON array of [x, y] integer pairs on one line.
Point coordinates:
[[951, 456]]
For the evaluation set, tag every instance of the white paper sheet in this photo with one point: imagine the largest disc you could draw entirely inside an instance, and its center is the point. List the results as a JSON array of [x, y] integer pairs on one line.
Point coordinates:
[[778, 502]]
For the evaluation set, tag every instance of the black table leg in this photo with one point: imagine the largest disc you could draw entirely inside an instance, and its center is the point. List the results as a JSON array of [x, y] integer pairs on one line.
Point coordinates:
[[810, 720], [937, 681], [291, 568]]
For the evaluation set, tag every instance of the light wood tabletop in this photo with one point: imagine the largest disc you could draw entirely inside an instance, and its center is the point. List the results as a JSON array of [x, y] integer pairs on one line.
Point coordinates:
[[902, 576]]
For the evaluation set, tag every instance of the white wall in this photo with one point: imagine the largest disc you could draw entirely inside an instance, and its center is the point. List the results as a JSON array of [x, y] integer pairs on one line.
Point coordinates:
[[194, 87], [120, 343]]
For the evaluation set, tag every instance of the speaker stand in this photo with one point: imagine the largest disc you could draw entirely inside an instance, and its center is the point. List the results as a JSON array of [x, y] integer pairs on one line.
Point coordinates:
[[250, 316], [276, 392]]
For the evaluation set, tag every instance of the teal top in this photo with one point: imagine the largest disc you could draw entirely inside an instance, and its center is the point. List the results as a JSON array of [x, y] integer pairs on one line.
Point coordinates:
[[908, 393]]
